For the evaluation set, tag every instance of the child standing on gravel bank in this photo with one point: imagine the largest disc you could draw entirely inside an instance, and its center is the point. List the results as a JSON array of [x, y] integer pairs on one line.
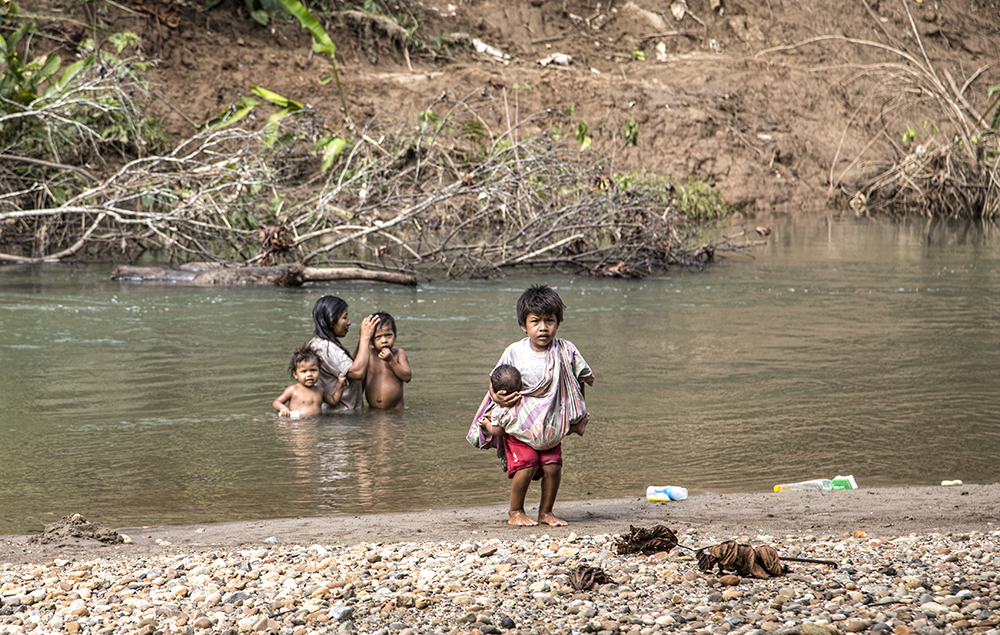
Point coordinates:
[[550, 407]]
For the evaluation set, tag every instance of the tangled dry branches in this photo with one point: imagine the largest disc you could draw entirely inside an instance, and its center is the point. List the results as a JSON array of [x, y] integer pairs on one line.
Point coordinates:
[[404, 202], [956, 177]]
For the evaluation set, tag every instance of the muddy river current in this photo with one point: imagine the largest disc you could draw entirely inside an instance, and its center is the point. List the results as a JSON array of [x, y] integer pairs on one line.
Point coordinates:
[[839, 347]]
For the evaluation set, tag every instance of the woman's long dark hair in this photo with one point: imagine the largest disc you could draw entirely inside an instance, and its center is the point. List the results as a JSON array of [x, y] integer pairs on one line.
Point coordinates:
[[327, 311]]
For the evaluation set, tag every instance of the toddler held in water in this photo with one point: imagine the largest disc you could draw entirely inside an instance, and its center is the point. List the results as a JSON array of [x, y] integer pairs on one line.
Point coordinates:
[[388, 368], [306, 398]]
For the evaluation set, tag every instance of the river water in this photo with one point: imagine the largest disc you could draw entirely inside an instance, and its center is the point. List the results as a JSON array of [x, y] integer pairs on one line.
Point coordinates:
[[840, 347]]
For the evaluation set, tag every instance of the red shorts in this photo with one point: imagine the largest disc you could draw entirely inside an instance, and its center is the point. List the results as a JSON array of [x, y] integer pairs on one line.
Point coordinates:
[[521, 455]]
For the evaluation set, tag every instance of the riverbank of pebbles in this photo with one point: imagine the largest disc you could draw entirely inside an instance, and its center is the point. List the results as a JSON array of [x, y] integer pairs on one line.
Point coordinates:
[[909, 585]]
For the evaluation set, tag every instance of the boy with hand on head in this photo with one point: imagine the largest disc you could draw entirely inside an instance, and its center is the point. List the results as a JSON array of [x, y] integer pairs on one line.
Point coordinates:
[[306, 398], [539, 416], [388, 368]]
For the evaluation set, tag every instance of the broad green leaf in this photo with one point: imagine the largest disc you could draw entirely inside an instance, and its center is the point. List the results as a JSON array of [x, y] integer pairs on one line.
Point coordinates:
[[72, 71], [274, 7], [330, 152], [275, 98], [271, 129], [231, 115], [583, 135], [260, 15], [16, 36], [311, 24], [49, 68]]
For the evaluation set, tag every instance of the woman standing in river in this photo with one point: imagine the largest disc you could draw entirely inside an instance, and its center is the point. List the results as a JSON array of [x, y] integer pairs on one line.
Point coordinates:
[[331, 323]]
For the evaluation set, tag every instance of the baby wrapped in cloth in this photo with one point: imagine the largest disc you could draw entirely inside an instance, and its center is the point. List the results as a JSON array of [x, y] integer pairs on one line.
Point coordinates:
[[547, 408]]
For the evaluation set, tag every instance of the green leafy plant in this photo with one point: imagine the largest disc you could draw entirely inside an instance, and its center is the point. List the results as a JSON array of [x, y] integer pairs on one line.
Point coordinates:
[[583, 135], [638, 55], [259, 10], [322, 43], [631, 134], [331, 146], [909, 135], [123, 39], [231, 115], [427, 118], [288, 107], [702, 203], [22, 82]]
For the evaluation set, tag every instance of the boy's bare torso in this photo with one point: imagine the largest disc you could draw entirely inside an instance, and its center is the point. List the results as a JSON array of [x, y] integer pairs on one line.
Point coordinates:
[[308, 402], [383, 388]]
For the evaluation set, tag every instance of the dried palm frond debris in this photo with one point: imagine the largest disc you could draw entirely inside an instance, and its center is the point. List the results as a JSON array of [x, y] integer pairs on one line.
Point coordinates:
[[585, 578], [646, 541], [761, 562], [747, 561]]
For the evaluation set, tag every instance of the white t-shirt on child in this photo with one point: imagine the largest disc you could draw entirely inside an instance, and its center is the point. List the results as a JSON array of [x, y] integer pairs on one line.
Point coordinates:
[[532, 365]]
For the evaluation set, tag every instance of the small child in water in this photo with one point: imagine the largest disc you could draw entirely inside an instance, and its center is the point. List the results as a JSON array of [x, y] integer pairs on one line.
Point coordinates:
[[388, 368], [306, 398]]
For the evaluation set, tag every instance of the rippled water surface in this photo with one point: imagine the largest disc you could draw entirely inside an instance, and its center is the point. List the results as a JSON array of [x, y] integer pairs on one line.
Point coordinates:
[[839, 347]]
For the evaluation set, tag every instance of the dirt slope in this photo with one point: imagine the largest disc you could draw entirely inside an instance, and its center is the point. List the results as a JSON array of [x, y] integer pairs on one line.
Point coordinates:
[[712, 98]]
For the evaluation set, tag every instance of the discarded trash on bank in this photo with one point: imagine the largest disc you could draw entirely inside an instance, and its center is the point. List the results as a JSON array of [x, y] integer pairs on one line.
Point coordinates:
[[819, 484], [657, 493]]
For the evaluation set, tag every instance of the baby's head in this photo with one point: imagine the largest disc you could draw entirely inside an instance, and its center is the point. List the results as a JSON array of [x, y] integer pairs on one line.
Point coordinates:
[[304, 366], [540, 300], [506, 379]]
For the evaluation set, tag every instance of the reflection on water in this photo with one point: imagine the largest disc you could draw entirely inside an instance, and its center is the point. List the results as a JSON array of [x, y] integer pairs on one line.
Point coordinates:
[[839, 347]]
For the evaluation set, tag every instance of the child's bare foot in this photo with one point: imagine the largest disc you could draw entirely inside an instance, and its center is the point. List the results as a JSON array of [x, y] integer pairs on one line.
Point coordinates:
[[549, 519], [521, 519]]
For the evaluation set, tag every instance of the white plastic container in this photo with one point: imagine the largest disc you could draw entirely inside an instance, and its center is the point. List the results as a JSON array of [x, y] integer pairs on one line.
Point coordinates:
[[658, 493]]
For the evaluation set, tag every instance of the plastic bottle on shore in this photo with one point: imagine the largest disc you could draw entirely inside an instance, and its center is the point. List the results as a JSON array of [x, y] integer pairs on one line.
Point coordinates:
[[814, 485], [658, 493], [844, 482]]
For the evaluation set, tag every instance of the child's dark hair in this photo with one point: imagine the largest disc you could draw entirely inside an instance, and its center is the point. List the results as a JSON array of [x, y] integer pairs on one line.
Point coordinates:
[[302, 354], [540, 300], [506, 378], [384, 319]]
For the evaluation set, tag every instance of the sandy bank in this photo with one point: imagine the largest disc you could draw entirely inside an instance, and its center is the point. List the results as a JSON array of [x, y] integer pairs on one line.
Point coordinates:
[[878, 512]]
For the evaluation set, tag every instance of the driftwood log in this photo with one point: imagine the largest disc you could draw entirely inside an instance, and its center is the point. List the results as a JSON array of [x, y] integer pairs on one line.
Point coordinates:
[[294, 275]]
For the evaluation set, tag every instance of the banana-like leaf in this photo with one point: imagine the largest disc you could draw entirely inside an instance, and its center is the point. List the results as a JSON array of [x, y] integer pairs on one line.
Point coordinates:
[[271, 129], [332, 146], [16, 36], [231, 115], [70, 73], [48, 69], [275, 98], [311, 24]]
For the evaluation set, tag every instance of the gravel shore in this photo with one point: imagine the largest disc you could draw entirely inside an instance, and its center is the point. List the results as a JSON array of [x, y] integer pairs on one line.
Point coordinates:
[[495, 579]]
